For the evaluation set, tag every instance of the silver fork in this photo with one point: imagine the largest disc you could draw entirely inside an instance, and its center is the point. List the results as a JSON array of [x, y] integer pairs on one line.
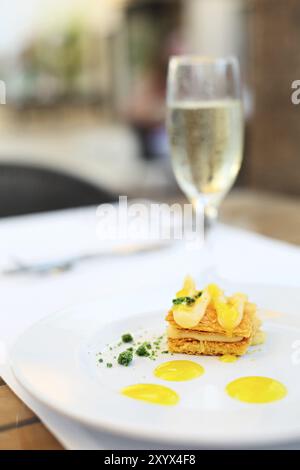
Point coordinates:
[[64, 265]]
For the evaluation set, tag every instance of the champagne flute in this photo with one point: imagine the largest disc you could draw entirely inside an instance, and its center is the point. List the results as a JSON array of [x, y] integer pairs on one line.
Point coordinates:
[[205, 127]]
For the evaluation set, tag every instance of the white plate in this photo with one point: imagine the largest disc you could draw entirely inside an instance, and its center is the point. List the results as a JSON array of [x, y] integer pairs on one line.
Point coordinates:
[[55, 360]]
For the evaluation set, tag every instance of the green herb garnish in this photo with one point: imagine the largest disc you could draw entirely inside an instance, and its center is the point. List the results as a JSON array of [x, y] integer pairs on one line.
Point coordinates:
[[109, 365], [142, 350], [186, 300], [127, 338], [125, 358], [183, 301]]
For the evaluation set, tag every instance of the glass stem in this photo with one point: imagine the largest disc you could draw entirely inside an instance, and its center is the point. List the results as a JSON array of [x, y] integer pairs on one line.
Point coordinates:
[[210, 219], [210, 222], [210, 215]]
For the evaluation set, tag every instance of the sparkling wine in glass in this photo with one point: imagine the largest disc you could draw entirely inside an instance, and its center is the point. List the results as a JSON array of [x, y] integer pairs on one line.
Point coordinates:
[[205, 127]]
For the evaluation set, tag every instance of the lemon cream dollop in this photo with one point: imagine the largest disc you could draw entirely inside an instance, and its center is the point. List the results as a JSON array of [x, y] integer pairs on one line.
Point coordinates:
[[190, 306]]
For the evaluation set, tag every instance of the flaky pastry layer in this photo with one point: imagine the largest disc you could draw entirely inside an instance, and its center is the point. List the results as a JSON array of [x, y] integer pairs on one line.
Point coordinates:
[[209, 323], [208, 348], [179, 333]]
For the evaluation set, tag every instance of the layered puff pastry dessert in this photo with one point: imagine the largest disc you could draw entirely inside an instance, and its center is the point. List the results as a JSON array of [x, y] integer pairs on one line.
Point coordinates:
[[209, 323]]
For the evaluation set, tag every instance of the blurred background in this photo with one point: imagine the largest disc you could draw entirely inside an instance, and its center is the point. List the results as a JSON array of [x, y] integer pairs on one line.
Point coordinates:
[[85, 85]]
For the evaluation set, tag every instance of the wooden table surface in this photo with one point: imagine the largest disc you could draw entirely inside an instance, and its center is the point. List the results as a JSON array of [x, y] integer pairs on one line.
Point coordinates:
[[19, 427], [271, 215]]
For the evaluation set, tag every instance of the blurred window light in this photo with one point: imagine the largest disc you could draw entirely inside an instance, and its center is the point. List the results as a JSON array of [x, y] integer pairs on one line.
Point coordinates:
[[16, 27], [2, 92], [213, 27], [33, 16]]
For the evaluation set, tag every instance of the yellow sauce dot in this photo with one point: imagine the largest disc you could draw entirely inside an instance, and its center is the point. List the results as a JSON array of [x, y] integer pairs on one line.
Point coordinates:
[[178, 371], [151, 393], [228, 358], [256, 390]]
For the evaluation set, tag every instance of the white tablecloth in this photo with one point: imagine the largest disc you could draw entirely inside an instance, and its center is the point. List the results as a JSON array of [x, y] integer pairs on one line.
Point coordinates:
[[242, 256]]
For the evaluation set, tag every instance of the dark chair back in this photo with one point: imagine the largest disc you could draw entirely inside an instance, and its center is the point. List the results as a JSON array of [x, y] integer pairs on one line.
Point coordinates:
[[28, 189]]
